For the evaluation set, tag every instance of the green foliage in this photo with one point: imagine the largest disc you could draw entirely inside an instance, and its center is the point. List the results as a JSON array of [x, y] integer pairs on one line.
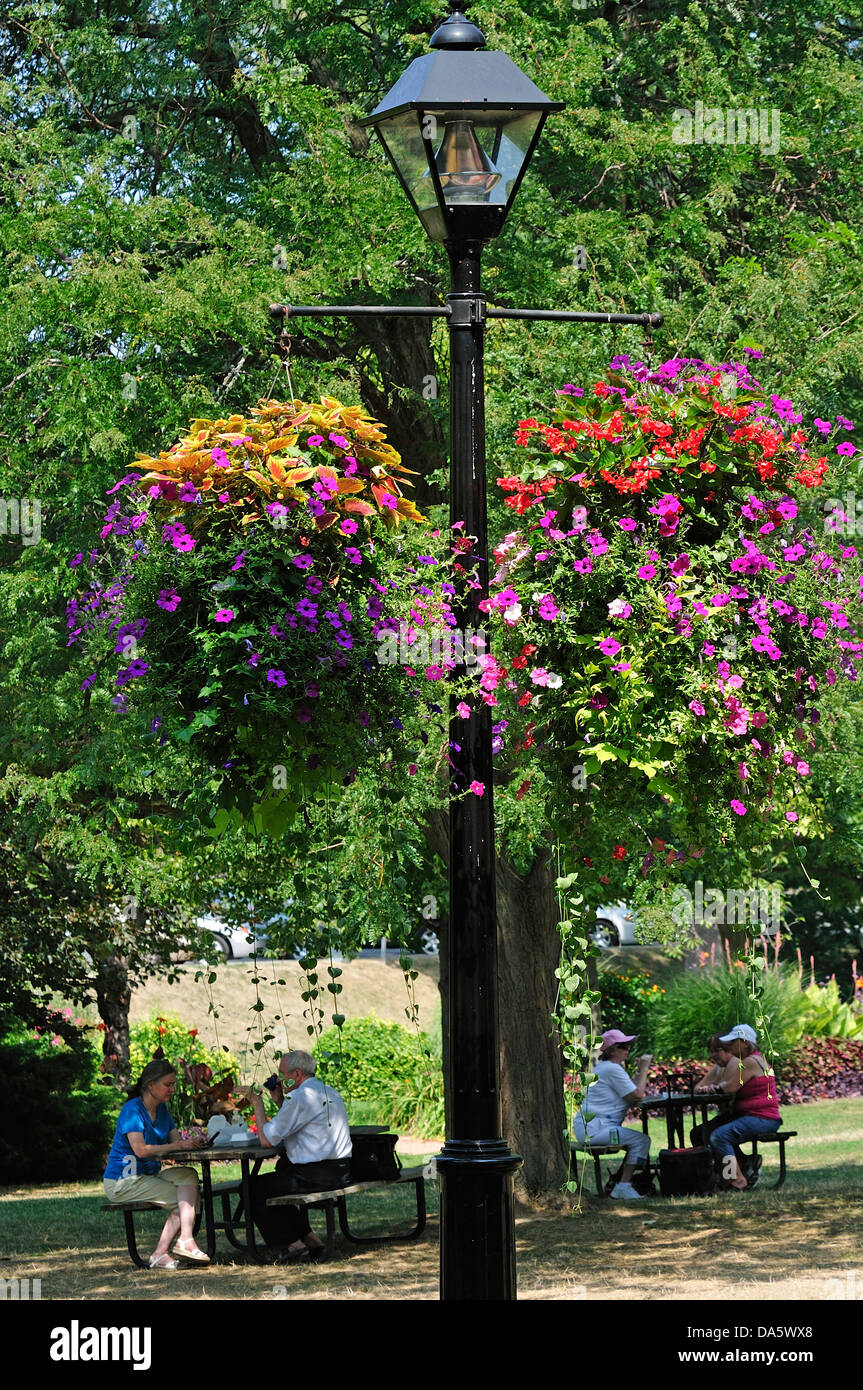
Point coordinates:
[[178, 1043], [828, 1016], [390, 1072], [701, 1002], [58, 1117], [630, 1002]]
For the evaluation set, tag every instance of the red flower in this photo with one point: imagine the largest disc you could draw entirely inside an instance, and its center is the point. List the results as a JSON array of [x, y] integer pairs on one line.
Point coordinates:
[[525, 787], [619, 852]]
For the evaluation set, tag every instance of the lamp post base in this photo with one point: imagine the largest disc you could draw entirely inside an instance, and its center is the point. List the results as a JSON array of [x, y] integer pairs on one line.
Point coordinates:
[[476, 1201]]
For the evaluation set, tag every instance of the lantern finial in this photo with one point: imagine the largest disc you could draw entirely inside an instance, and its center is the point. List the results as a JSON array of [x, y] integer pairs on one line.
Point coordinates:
[[457, 32]]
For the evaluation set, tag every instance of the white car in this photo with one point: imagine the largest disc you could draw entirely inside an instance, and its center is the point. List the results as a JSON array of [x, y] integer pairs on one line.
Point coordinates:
[[233, 943], [614, 926]]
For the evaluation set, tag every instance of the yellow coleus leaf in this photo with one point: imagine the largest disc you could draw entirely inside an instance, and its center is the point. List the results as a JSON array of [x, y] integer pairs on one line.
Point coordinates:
[[284, 441], [277, 470], [405, 507], [257, 477], [297, 475], [351, 485]]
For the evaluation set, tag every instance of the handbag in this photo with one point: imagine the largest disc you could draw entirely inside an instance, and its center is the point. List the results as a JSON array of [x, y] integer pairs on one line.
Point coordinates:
[[686, 1172], [374, 1157]]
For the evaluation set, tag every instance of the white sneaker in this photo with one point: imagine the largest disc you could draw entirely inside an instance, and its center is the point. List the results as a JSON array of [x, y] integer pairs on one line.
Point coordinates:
[[626, 1191]]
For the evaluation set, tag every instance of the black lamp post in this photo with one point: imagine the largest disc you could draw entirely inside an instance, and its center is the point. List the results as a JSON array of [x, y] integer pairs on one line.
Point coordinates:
[[459, 127]]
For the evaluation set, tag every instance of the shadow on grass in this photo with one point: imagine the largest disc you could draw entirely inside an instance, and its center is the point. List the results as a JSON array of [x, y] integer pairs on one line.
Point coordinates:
[[798, 1242]]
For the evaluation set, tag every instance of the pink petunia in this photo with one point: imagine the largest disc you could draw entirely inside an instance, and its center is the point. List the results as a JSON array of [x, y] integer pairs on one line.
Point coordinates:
[[738, 808], [609, 646], [225, 615], [478, 788]]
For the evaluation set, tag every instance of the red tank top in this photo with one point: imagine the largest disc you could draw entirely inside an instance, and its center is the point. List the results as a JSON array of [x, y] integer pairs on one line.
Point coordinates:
[[757, 1096]]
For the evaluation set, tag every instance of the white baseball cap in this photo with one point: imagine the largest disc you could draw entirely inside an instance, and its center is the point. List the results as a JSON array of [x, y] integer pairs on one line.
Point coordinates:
[[741, 1032]]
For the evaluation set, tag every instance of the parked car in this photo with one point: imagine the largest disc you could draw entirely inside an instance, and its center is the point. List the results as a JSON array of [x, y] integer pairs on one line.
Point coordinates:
[[233, 943], [614, 926]]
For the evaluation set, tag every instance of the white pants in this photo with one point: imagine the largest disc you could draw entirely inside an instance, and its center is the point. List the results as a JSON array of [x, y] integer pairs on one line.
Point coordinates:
[[597, 1131]]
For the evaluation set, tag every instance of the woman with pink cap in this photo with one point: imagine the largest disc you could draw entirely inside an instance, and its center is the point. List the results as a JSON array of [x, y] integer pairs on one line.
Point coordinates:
[[600, 1117]]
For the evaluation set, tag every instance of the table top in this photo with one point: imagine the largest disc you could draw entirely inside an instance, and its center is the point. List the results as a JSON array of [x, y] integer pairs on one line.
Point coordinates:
[[677, 1097], [250, 1149]]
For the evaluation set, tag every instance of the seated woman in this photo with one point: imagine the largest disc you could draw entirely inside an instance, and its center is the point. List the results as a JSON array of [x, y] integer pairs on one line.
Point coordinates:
[[599, 1120], [756, 1109], [133, 1174], [720, 1057]]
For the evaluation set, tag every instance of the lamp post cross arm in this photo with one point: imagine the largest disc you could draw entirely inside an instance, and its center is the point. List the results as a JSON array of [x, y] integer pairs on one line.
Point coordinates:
[[446, 311]]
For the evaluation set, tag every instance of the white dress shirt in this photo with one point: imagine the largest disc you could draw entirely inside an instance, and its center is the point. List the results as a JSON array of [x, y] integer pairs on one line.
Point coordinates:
[[312, 1123]]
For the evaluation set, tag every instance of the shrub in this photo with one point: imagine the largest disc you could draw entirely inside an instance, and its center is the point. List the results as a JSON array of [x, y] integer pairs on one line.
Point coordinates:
[[629, 1002], [387, 1073], [176, 1041], [59, 1111], [705, 1001]]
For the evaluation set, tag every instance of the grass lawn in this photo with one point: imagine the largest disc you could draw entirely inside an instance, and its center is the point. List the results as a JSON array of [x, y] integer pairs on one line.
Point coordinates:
[[798, 1243]]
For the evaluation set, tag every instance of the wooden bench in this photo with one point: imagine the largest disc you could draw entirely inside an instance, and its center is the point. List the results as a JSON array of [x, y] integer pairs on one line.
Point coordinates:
[[129, 1208], [781, 1138], [596, 1152], [336, 1199]]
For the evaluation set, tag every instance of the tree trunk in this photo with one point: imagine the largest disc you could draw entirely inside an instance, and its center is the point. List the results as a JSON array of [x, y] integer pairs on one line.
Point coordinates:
[[534, 1115], [113, 997]]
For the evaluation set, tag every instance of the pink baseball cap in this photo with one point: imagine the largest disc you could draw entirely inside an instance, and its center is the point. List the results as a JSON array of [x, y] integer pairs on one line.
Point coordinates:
[[614, 1036]]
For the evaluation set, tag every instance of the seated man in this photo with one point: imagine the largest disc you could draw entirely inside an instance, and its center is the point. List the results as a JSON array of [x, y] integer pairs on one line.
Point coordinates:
[[312, 1124]]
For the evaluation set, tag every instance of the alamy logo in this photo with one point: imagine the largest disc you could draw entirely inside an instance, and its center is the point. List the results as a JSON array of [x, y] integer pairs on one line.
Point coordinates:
[[20, 1290], [77, 1343], [21, 516], [724, 125], [413, 646], [714, 907]]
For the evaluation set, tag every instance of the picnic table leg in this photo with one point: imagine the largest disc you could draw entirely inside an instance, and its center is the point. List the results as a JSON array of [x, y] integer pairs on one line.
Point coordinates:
[[380, 1240], [251, 1241], [131, 1242], [597, 1172], [207, 1186], [780, 1180]]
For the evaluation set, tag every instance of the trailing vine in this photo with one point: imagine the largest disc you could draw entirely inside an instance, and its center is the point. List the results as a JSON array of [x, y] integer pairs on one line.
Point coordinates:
[[573, 1013]]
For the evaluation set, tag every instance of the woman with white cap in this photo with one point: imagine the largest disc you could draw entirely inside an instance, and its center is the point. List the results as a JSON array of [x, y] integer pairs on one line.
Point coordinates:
[[756, 1108], [599, 1120]]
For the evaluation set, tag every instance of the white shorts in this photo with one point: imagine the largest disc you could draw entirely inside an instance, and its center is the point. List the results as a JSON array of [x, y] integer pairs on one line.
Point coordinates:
[[597, 1131], [159, 1188]]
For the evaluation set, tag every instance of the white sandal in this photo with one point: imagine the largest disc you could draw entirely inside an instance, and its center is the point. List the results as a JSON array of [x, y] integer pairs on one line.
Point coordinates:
[[163, 1262], [196, 1255]]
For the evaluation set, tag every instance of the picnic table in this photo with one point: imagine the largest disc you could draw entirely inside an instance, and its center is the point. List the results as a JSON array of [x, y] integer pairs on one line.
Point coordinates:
[[674, 1106], [236, 1219]]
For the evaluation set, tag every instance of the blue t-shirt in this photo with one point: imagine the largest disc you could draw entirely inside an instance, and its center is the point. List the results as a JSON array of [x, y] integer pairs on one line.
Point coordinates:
[[135, 1118]]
